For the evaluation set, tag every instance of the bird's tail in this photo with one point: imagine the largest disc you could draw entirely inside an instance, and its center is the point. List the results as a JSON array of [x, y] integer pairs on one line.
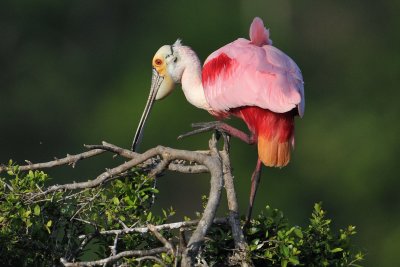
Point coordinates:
[[275, 133], [276, 138], [272, 152]]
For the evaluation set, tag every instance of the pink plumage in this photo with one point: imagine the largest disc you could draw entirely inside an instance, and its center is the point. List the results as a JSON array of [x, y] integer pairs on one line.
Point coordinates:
[[249, 79], [256, 74], [259, 35]]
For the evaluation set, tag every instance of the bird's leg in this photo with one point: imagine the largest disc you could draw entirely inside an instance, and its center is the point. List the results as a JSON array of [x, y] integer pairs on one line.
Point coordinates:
[[255, 180], [222, 127]]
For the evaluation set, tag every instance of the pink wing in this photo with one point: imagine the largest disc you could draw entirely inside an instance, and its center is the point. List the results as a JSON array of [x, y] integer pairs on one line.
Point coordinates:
[[244, 74]]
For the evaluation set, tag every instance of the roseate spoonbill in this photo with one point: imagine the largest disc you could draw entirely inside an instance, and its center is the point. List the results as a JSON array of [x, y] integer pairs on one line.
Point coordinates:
[[251, 80]]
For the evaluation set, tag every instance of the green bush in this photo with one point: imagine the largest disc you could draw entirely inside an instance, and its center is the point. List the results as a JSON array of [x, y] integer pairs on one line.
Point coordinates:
[[38, 229], [274, 242]]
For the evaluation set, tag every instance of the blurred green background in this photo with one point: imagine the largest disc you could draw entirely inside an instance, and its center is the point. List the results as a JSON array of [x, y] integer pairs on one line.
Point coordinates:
[[78, 72]]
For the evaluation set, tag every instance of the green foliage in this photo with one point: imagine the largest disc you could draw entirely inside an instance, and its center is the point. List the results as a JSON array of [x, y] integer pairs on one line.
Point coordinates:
[[273, 242], [37, 230]]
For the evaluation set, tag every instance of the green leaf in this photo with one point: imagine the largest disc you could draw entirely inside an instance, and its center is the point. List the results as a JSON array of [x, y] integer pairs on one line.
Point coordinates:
[[253, 230], [128, 200], [115, 200], [317, 207], [268, 254], [290, 231], [27, 213], [149, 216], [294, 260], [166, 258], [28, 223], [284, 250], [336, 250], [298, 232], [48, 225], [36, 210]]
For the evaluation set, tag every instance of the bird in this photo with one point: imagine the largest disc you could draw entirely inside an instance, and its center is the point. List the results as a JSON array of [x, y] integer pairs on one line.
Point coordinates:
[[248, 79]]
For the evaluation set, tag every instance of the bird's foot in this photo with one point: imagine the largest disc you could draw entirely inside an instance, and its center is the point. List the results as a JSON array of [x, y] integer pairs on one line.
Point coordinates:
[[203, 127], [220, 127]]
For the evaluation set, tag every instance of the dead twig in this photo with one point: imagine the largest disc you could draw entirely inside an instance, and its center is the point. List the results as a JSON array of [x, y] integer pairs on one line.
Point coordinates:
[[114, 258], [85, 204], [151, 258], [69, 159], [140, 158], [167, 226], [162, 239]]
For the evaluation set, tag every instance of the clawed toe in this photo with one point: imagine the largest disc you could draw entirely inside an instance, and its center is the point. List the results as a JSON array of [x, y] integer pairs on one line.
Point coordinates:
[[197, 131], [208, 124], [221, 128], [201, 128]]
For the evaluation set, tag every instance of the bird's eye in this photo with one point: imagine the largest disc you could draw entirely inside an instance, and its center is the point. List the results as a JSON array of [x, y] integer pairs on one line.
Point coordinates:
[[158, 62], [175, 60]]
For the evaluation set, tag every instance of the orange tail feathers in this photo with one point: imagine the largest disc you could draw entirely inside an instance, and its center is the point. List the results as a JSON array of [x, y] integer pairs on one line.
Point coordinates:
[[275, 133], [275, 139], [272, 152]]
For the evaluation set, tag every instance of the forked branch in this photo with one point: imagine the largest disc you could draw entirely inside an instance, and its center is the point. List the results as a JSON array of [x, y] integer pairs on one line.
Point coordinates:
[[155, 161]]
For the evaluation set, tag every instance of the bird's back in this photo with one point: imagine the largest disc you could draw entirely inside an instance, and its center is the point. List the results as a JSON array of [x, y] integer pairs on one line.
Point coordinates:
[[242, 74], [260, 84]]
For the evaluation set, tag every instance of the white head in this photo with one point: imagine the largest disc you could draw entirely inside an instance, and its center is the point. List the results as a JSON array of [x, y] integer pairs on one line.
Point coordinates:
[[167, 70], [168, 64]]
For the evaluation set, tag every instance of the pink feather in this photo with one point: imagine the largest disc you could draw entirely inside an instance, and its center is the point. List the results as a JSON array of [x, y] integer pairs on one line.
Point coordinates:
[[244, 74], [259, 83], [259, 35]]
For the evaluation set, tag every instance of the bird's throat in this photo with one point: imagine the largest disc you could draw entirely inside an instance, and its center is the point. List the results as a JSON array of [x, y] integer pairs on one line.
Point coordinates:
[[193, 88]]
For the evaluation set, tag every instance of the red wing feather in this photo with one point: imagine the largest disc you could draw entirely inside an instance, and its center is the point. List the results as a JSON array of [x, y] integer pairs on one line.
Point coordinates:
[[218, 67]]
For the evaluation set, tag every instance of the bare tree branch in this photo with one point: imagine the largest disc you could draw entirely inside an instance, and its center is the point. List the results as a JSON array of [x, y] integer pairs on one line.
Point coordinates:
[[187, 168], [69, 159], [234, 220], [167, 226], [162, 165], [164, 152], [156, 160], [111, 259], [162, 239], [113, 248], [126, 153], [99, 149], [152, 258], [214, 165]]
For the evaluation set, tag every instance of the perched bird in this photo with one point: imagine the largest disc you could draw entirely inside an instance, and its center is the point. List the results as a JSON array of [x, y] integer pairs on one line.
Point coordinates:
[[251, 80]]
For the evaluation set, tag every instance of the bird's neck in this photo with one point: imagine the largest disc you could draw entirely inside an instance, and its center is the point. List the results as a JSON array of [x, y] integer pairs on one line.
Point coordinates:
[[191, 81]]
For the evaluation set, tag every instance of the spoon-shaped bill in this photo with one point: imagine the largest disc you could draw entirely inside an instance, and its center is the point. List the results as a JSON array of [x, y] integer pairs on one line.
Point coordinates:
[[156, 81]]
